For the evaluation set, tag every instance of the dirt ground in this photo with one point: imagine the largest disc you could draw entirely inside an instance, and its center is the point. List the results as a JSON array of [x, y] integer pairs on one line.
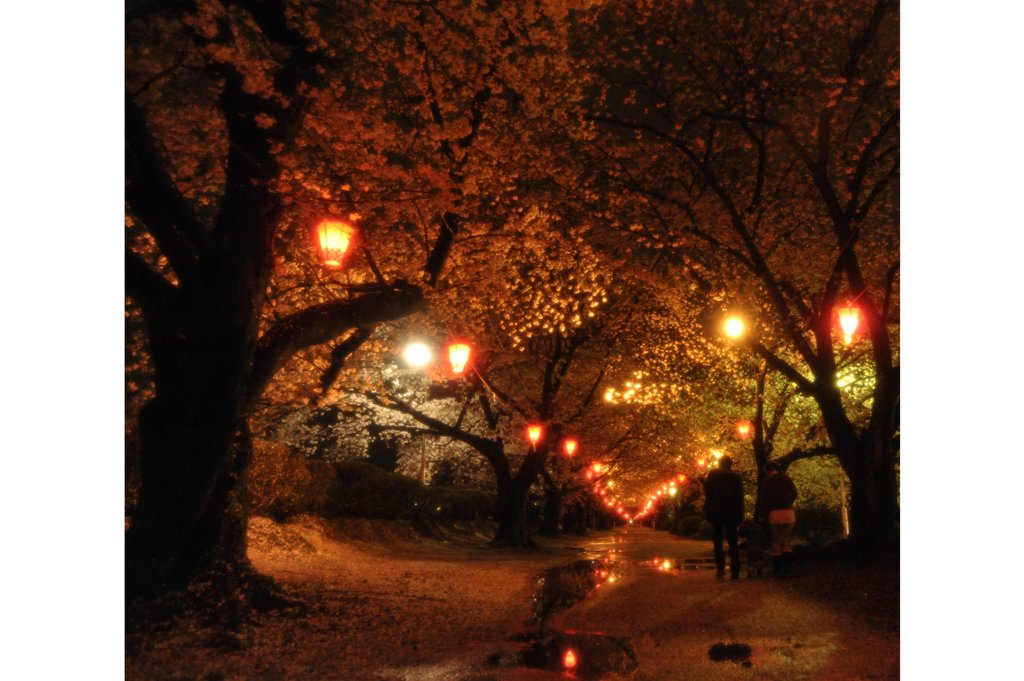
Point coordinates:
[[386, 603]]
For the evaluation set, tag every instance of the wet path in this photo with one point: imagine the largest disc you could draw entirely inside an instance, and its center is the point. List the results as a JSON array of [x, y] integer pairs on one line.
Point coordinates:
[[642, 604]]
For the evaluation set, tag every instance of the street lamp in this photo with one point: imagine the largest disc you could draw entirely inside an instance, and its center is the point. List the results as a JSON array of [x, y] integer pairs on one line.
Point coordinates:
[[417, 354], [849, 318], [734, 327], [334, 238]]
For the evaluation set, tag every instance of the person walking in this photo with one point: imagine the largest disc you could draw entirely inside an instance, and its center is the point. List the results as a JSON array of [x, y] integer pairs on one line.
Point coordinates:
[[723, 507], [778, 494]]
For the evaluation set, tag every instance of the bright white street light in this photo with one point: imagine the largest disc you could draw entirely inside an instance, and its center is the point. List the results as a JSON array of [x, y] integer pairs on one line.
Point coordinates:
[[417, 354]]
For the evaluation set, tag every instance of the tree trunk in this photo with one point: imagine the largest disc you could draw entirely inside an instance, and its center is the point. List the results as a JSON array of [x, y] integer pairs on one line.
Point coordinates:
[[513, 502], [190, 519], [575, 519], [550, 526]]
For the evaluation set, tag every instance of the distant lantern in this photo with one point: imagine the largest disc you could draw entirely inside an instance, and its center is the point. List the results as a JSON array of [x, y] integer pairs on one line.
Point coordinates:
[[533, 433], [458, 355], [570, 446], [744, 428], [335, 238], [849, 318], [569, 659]]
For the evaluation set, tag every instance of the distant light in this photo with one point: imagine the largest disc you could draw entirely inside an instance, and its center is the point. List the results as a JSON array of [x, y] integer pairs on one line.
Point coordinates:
[[417, 354], [570, 446], [667, 564], [734, 327], [672, 491], [533, 433], [744, 428], [569, 659]]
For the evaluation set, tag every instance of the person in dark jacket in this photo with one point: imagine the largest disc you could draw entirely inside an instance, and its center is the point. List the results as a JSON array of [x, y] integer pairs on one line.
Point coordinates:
[[777, 496], [723, 507]]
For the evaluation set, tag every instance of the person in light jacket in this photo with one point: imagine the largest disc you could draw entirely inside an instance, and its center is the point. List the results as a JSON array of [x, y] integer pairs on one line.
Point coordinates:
[[778, 494]]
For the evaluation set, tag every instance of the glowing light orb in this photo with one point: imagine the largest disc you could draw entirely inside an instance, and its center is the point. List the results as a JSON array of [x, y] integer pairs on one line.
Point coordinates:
[[734, 327], [417, 354]]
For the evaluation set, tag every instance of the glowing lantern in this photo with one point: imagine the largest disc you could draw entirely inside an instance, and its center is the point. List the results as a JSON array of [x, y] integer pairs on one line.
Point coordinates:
[[744, 428], [533, 434], [570, 446], [849, 318], [334, 237], [458, 355], [598, 468], [700, 462], [734, 327], [569, 659]]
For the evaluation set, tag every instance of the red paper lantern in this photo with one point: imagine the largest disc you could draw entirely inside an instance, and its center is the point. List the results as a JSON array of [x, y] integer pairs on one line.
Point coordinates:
[[570, 446], [458, 355], [849, 319], [569, 659], [334, 238], [744, 428], [533, 433]]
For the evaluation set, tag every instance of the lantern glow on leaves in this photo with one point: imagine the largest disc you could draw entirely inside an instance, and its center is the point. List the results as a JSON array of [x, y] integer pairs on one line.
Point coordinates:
[[458, 355], [334, 237], [849, 318]]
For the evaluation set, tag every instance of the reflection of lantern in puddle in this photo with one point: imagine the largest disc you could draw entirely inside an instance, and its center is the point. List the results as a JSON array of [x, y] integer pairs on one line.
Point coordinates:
[[569, 659]]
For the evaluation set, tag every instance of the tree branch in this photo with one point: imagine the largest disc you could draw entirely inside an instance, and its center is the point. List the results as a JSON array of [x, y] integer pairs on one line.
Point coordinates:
[[321, 323]]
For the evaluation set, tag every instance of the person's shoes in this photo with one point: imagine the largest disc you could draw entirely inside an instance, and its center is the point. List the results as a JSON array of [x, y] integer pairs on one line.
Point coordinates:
[[735, 576], [720, 575], [787, 563], [777, 566]]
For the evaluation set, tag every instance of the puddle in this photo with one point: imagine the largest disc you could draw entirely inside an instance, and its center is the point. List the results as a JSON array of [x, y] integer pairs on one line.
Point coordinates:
[[731, 652], [584, 655]]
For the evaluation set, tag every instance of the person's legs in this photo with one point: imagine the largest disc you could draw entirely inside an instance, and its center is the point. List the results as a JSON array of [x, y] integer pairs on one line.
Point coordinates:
[[775, 548], [734, 550], [786, 547], [717, 529]]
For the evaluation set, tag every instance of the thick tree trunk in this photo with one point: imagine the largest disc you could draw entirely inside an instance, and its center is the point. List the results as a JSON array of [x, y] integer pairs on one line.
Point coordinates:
[[513, 502], [190, 519]]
